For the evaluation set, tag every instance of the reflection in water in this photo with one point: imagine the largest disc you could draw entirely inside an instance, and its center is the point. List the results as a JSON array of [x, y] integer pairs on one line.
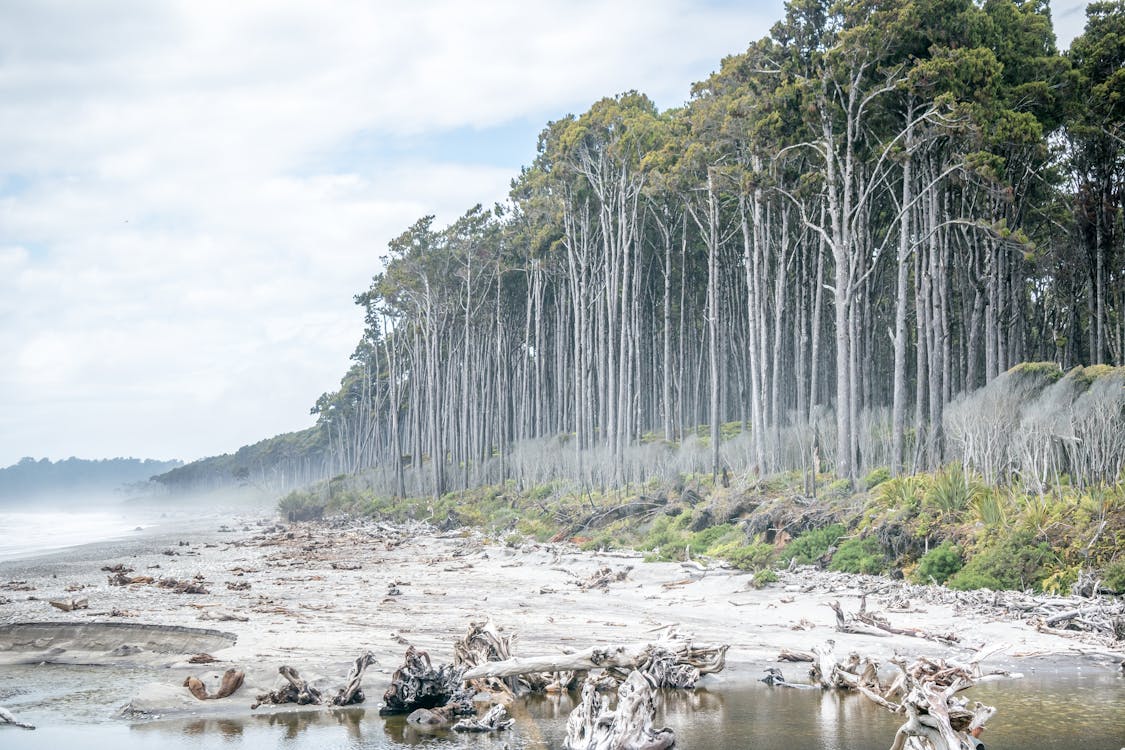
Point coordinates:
[[1037, 713]]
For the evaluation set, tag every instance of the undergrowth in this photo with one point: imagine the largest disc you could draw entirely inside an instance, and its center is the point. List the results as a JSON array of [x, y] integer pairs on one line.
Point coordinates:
[[947, 526]]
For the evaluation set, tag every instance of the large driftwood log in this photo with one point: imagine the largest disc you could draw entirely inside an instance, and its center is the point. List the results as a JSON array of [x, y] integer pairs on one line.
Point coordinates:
[[591, 726], [351, 692], [417, 684], [705, 659]]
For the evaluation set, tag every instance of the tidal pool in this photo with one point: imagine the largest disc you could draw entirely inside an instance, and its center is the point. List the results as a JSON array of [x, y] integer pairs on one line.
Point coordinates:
[[1048, 711]]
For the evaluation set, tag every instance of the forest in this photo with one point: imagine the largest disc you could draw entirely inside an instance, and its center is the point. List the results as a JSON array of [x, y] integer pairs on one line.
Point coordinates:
[[76, 477], [816, 264], [850, 228]]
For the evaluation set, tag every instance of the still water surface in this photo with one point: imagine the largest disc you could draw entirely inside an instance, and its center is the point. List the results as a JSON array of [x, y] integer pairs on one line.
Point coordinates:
[[1038, 712]]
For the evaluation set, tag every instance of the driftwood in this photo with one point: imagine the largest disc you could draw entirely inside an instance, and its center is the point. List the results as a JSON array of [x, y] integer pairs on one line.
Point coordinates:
[[936, 718], [704, 659], [787, 655], [6, 717], [120, 579], [69, 605], [925, 691], [871, 623], [417, 684], [351, 692], [774, 678], [602, 577], [296, 691], [495, 720], [592, 726], [231, 682], [183, 587]]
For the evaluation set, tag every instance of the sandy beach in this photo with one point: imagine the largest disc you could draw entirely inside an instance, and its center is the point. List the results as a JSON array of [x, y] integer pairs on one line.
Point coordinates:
[[316, 595]]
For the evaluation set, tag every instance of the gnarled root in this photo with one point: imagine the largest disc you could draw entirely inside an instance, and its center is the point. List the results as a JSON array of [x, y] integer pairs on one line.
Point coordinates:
[[628, 727]]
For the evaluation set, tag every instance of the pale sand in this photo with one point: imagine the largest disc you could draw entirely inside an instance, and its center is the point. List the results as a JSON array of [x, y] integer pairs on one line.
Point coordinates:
[[304, 613]]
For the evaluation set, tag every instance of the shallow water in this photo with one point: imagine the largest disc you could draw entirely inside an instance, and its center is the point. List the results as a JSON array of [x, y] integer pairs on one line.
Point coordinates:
[[23, 533], [1049, 712]]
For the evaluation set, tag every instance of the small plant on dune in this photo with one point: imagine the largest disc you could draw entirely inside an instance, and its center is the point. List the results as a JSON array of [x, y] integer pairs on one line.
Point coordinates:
[[763, 578]]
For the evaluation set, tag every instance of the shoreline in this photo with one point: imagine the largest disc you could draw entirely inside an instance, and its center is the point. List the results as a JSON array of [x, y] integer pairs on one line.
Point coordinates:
[[315, 595]]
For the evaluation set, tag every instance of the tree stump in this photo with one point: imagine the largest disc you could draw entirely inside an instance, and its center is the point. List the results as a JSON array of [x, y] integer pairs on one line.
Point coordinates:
[[417, 684], [628, 727]]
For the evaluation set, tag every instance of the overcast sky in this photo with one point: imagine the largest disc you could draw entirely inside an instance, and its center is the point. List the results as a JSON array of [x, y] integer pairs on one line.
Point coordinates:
[[192, 192]]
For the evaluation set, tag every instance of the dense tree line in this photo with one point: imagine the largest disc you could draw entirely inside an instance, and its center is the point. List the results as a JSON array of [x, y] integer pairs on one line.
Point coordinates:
[[876, 208], [30, 478]]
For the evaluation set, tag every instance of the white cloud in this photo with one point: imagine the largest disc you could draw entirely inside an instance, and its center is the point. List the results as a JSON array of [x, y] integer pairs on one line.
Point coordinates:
[[181, 226]]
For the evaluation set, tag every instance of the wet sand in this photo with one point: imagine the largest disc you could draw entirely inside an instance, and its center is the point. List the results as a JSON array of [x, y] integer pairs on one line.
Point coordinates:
[[314, 596]]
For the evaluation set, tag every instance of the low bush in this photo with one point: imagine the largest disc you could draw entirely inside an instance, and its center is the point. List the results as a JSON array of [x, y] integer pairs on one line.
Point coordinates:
[[861, 555], [1016, 562], [1113, 577], [746, 556], [763, 578], [939, 564], [812, 545]]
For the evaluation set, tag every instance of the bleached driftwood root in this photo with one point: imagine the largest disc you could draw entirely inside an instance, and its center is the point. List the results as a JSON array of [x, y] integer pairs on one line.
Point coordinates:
[[352, 692], [297, 691], [417, 684], [232, 681], [483, 643], [7, 717], [671, 663], [495, 720], [925, 691], [592, 726]]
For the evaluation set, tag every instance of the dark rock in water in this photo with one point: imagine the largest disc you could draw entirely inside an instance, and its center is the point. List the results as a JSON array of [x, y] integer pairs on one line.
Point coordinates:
[[426, 717]]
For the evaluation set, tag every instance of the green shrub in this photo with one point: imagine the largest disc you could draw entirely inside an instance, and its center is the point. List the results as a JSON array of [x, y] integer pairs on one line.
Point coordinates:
[[301, 506], [811, 546], [1017, 562], [938, 564], [746, 556], [763, 578], [701, 542], [861, 555], [876, 476], [1113, 577]]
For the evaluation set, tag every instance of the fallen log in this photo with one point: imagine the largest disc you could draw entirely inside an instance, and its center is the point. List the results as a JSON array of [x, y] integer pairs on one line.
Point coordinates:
[[591, 726], [705, 658], [787, 655], [69, 605]]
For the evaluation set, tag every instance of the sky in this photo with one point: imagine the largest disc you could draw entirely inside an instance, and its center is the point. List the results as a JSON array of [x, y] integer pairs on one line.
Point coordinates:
[[192, 191]]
